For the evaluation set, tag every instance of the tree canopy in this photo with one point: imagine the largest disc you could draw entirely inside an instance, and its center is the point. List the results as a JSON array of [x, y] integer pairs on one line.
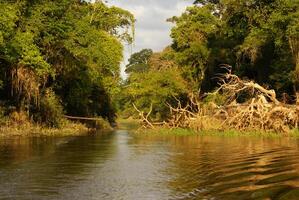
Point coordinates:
[[64, 56], [259, 39], [139, 62], [156, 85], [69, 49]]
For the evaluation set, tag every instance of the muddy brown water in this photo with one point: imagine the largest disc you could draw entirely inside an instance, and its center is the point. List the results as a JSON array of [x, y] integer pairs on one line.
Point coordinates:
[[127, 166]]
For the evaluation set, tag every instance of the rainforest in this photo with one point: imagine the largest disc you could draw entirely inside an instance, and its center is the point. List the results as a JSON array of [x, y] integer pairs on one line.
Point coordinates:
[[60, 58], [85, 113], [232, 65], [227, 58]]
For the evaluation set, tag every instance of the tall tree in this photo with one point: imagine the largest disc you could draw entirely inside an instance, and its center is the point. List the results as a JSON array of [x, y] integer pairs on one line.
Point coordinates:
[[139, 61], [256, 37], [70, 47]]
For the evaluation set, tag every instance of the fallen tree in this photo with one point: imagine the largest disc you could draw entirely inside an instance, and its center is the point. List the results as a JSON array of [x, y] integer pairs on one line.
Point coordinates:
[[246, 106]]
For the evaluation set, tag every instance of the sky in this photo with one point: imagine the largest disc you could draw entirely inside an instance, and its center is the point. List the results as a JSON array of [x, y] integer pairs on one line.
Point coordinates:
[[151, 29]]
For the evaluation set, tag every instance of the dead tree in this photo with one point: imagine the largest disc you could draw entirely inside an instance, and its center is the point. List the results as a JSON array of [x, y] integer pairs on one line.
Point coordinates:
[[259, 109], [144, 118]]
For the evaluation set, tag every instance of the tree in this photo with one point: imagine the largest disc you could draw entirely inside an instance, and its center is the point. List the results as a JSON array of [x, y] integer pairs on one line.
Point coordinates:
[[191, 41], [139, 61], [160, 84], [70, 47], [253, 36]]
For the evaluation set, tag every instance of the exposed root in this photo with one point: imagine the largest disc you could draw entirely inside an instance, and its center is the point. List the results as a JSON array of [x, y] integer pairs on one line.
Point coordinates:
[[232, 86], [247, 107], [181, 116], [144, 118]]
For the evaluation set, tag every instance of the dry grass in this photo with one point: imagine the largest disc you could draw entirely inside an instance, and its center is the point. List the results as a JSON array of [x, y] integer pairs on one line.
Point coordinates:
[[205, 123], [71, 129], [18, 124], [258, 111]]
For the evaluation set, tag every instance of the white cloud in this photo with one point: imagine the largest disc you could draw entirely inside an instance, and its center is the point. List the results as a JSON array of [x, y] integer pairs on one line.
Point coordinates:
[[152, 30]]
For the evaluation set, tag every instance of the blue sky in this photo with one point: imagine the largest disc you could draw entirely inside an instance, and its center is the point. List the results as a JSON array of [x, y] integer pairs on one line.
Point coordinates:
[[152, 30]]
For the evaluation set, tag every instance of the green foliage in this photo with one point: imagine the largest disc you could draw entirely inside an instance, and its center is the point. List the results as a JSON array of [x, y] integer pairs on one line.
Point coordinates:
[[139, 62], [1, 39], [157, 87], [216, 98], [8, 17], [190, 40], [206, 1], [69, 46], [259, 38], [51, 110], [28, 54], [159, 84]]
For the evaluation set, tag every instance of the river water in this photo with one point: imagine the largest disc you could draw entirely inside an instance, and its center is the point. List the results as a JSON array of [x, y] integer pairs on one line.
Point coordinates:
[[128, 166]]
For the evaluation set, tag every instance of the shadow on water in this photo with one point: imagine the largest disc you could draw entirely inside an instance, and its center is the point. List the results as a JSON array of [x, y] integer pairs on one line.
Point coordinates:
[[36, 168], [121, 165]]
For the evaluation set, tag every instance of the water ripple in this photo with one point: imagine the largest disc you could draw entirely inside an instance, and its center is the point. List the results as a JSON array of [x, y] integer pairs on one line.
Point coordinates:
[[126, 166]]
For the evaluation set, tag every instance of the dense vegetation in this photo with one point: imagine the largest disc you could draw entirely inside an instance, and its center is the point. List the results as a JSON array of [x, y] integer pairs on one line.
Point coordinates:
[[61, 57], [258, 38]]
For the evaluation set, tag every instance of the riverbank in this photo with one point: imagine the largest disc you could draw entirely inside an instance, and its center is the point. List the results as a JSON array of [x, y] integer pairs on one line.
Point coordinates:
[[70, 129], [135, 126], [226, 133], [20, 124], [174, 167]]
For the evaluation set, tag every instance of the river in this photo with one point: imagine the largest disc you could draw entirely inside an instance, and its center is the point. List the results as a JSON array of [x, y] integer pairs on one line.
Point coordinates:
[[129, 166]]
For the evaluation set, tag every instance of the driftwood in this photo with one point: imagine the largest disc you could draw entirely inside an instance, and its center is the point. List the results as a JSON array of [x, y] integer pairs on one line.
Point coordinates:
[[259, 110], [82, 118], [144, 118], [232, 85], [90, 122], [181, 116], [146, 122]]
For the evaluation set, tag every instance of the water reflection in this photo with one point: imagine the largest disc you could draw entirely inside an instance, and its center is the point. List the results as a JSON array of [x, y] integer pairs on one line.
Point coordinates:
[[38, 168], [127, 166]]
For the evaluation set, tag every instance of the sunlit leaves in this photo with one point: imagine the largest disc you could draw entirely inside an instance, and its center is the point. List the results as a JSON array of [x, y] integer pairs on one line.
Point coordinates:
[[153, 79], [139, 62], [190, 39], [8, 18], [258, 37], [71, 46], [28, 54]]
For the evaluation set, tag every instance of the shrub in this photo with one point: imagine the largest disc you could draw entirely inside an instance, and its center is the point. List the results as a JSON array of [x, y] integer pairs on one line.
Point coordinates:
[[19, 118], [50, 110]]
